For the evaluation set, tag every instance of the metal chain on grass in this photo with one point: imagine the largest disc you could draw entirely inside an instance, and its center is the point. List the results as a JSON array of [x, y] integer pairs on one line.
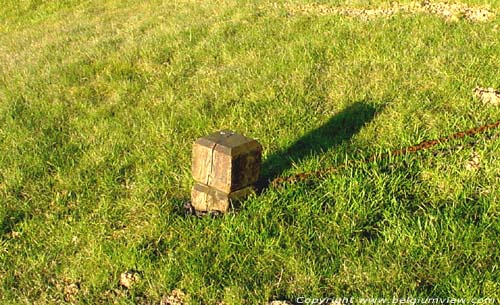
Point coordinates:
[[280, 181]]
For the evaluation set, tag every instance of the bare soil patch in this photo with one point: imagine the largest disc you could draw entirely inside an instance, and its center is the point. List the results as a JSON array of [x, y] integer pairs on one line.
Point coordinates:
[[489, 96], [449, 11]]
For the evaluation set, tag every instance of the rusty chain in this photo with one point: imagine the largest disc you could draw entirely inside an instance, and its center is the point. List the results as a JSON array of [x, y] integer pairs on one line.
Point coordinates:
[[280, 181]]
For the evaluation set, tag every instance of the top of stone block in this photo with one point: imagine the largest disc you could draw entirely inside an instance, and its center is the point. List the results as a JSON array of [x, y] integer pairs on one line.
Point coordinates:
[[229, 142]]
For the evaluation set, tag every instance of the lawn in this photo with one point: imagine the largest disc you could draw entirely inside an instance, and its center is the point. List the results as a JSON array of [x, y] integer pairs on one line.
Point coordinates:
[[100, 102]]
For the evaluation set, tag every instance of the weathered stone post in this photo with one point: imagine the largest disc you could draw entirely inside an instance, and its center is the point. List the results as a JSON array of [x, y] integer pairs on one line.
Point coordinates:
[[225, 167]]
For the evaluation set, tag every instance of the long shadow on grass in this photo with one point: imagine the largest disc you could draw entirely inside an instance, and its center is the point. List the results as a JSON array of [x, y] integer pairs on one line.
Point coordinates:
[[339, 129]]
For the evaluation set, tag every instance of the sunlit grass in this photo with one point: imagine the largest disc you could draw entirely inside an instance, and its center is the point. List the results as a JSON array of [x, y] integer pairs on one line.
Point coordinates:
[[101, 101]]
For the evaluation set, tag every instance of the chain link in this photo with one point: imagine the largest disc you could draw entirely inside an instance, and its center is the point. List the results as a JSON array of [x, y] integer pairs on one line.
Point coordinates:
[[280, 181]]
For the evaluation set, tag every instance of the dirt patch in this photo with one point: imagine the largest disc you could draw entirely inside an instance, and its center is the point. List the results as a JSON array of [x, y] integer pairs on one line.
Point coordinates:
[[129, 278], [14, 235], [489, 96], [71, 292], [448, 11], [457, 11], [176, 297], [473, 163]]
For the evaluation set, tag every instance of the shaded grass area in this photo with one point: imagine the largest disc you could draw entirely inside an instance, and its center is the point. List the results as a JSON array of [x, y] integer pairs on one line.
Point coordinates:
[[339, 129], [101, 101]]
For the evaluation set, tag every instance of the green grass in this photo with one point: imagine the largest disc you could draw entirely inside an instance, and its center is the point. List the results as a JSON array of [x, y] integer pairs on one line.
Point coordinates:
[[100, 102]]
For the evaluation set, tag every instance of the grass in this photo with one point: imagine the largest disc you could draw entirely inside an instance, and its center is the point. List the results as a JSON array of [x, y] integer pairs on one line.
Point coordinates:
[[100, 102]]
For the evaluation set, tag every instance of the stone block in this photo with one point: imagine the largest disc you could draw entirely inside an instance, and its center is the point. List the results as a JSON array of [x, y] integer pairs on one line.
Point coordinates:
[[208, 199], [226, 161]]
